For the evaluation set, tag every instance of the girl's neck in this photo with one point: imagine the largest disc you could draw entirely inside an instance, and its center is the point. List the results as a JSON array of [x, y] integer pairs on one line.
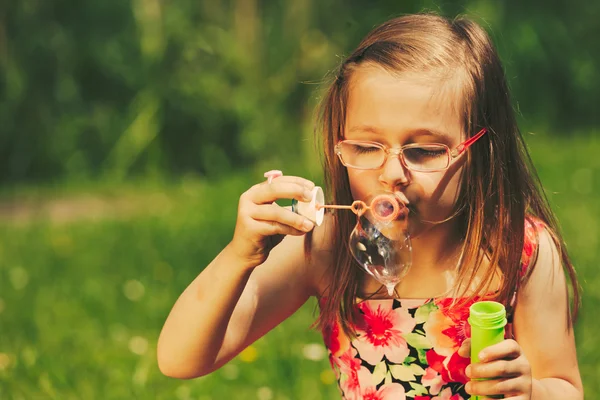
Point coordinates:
[[438, 248]]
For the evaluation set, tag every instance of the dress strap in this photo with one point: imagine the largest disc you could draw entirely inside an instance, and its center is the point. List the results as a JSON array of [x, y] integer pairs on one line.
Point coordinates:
[[528, 257]]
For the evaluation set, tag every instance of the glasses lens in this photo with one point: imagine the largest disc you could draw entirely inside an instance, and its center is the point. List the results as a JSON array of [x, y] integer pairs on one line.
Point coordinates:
[[361, 154], [426, 157]]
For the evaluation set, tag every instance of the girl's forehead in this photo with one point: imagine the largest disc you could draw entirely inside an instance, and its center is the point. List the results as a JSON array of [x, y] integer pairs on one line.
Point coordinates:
[[386, 102]]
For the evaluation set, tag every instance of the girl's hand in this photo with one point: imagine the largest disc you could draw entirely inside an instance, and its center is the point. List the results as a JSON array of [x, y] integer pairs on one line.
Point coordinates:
[[261, 224], [505, 368]]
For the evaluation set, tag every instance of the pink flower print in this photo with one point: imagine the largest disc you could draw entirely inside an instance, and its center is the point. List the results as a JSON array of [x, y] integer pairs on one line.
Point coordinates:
[[433, 380], [348, 362], [380, 333], [352, 386], [447, 395], [390, 391], [353, 375]]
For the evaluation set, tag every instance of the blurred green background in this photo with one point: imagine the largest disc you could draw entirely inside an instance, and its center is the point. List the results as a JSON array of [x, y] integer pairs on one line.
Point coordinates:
[[129, 128]]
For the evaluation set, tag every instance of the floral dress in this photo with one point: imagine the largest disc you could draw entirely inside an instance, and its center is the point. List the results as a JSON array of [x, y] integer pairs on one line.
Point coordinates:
[[408, 349]]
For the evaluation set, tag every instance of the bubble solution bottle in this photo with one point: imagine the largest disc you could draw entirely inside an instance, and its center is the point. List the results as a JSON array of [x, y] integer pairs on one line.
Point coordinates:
[[487, 320]]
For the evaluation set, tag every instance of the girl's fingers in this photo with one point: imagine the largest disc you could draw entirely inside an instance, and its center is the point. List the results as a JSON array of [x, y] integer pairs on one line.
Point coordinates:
[[495, 369], [278, 189], [270, 228], [494, 387], [292, 179], [507, 349], [465, 349], [275, 213]]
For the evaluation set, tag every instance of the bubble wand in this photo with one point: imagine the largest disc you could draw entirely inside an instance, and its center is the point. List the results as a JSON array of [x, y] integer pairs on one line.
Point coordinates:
[[385, 207]]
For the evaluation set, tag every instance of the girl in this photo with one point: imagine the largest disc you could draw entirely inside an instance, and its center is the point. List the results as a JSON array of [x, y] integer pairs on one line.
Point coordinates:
[[420, 109]]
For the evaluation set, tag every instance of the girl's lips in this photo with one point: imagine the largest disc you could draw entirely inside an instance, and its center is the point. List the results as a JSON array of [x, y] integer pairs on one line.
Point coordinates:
[[402, 197], [410, 208]]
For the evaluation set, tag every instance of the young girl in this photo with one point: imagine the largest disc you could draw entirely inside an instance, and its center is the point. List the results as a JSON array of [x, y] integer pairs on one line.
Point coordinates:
[[420, 109]]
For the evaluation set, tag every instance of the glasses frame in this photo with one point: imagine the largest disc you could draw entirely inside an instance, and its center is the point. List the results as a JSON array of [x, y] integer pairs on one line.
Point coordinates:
[[452, 153]]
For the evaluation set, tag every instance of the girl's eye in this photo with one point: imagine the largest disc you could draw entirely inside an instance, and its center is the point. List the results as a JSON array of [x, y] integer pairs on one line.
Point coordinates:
[[425, 152], [364, 149]]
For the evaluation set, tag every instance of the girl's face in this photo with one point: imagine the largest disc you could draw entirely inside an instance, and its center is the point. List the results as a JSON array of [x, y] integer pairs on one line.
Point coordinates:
[[393, 111]]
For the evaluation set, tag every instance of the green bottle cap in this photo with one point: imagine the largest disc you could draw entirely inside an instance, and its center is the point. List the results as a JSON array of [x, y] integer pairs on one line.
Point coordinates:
[[487, 315]]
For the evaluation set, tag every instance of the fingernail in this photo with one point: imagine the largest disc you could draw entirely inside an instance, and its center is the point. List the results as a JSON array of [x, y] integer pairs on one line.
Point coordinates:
[[308, 195], [468, 371], [307, 225], [310, 186], [482, 356]]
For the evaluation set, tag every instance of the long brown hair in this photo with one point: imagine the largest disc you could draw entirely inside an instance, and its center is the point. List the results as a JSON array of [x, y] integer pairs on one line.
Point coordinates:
[[503, 187]]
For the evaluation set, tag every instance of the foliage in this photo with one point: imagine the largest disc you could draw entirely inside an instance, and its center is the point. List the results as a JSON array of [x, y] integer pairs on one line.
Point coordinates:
[[111, 89]]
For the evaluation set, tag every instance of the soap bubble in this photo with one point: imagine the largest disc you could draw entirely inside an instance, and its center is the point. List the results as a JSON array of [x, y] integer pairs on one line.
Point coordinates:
[[380, 242]]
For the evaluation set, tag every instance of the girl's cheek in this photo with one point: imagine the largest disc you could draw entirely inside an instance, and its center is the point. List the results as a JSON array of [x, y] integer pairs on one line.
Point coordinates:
[[362, 183]]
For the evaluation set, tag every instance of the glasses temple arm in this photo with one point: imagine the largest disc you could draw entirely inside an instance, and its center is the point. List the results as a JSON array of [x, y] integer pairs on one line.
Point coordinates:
[[467, 143]]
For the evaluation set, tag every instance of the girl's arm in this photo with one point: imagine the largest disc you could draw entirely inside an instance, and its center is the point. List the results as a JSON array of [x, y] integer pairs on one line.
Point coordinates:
[[542, 363], [233, 302], [542, 329]]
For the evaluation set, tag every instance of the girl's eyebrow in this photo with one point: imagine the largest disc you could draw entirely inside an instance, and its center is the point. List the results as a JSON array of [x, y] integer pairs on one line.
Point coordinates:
[[444, 136], [366, 128], [436, 133]]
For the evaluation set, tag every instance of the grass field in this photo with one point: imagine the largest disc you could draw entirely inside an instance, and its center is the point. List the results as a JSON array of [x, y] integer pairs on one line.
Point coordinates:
[[87, 280]]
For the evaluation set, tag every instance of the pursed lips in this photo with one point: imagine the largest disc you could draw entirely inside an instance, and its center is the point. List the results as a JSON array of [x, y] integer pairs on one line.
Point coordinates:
[[403, 199]]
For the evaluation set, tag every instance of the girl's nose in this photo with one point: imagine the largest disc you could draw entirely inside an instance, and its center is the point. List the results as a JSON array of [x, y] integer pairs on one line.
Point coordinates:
[[393, 172]]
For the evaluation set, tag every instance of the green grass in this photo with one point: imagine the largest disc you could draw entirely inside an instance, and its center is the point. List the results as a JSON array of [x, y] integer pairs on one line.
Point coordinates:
[[82, 302]]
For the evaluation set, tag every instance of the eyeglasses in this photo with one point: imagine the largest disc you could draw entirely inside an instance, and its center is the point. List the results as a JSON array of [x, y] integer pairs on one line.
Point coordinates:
[[431, 157]]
